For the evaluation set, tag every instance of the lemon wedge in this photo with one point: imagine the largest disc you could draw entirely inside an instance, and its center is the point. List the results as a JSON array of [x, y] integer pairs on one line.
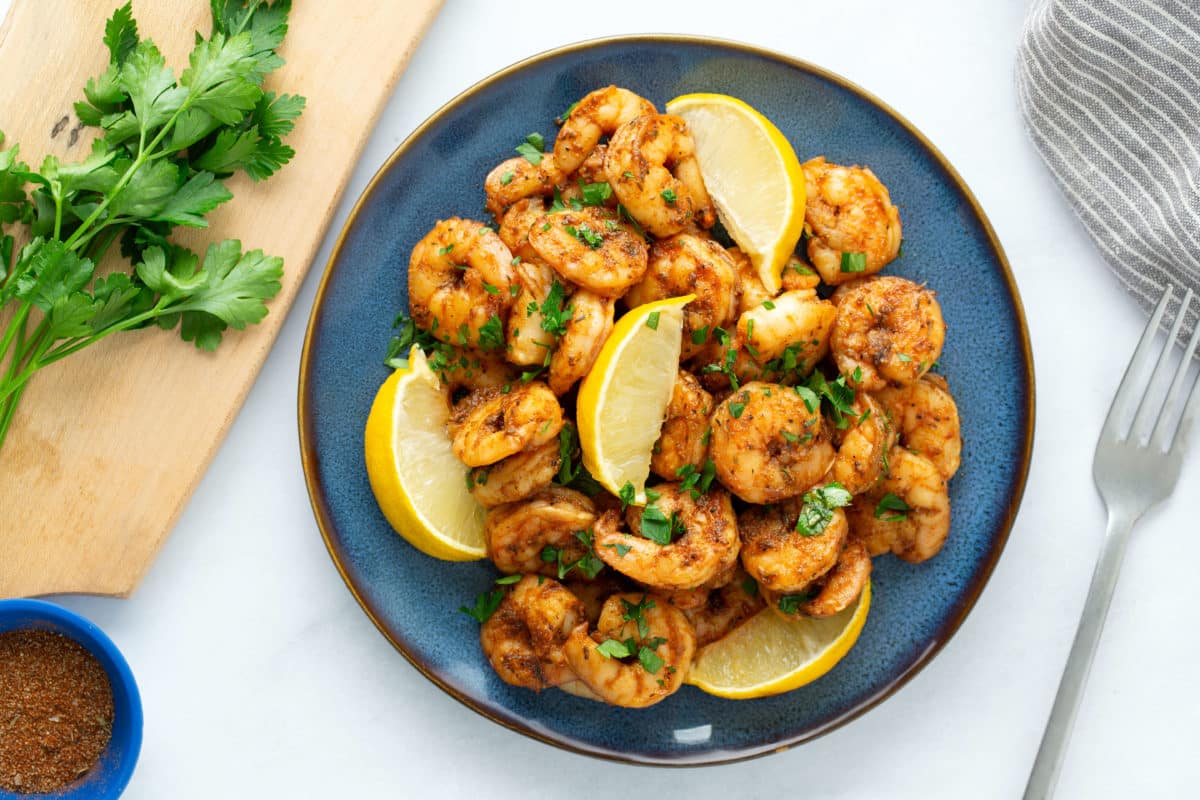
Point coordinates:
[[753, 176], [770, 655], [418, 482], [623, 400]]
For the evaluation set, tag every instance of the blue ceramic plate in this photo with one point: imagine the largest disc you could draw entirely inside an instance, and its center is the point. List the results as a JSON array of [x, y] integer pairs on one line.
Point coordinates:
[[438, 172]]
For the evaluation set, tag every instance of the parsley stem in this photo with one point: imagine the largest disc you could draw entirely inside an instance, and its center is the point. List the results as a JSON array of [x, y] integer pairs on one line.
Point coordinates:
[[16, 330], [8, 409]]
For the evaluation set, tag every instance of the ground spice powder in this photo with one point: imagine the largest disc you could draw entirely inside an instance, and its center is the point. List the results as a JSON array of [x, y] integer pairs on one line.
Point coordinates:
[[56, 711]]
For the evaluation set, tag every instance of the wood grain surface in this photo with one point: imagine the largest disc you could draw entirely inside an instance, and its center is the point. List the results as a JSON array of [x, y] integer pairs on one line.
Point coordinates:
[[109, 444]]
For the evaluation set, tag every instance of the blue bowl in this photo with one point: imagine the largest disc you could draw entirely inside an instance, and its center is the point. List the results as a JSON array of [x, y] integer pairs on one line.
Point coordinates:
[[106, 780], [438, 172]]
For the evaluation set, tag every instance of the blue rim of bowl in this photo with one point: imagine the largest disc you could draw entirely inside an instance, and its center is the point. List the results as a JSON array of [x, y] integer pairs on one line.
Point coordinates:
[[316, 491], [88, 634]]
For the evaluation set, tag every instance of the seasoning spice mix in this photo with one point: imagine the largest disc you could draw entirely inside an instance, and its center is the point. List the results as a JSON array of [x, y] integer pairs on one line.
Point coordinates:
[[56, 711]]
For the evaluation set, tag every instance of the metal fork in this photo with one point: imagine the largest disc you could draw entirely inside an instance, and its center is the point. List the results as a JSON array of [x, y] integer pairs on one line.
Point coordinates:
[[1136, 466]]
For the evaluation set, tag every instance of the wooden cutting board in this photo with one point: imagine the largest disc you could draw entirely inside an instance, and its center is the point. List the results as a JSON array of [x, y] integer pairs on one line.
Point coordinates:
[[108, 445]]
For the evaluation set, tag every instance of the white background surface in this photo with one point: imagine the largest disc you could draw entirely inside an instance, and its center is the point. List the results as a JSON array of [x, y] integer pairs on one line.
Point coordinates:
[[261, 677]]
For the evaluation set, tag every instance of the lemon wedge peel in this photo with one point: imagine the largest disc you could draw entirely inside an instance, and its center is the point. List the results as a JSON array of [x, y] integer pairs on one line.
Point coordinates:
[[623, 399], [753, 176], [417, 481], [747, 644]]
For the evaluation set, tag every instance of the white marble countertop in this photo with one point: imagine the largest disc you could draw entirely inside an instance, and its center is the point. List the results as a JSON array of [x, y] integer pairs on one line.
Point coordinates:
[[261, 677]]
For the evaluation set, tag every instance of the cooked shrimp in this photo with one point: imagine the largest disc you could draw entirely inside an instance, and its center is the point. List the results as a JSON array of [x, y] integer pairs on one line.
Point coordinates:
[[598, 114], [591, 171], [797, 275], [515, 226], [842, 585], [524, 638], [651, 166], [704, 533], [592, 248], [516, 477], [653, 624], [518, 533], [690, 599], [778, 556], [862, 446], [725, 609], [927, 418], [849, 212], [529, 342], [888, 330], [458, 282], [750, 290], [589, 326], [915, 533], [518, 178], [833, 592], [491, 424], [689, 264], [683, 439], [767, 445], [798, 320], [471, 370]]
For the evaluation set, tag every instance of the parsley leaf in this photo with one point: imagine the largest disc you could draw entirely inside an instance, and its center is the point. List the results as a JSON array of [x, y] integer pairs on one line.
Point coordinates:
[[891, 508], [790, 603], [854, 262], [819, 504], [652, 320], [486, 604], [611, 648]]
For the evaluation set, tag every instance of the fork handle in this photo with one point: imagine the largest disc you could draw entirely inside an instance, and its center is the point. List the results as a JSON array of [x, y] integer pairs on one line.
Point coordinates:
[[1066, 703]]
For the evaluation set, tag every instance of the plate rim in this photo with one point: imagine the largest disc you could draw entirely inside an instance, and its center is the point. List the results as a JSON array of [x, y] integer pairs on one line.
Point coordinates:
[[966, 602]]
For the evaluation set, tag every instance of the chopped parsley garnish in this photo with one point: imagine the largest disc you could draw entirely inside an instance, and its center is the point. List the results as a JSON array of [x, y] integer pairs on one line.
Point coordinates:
[[532, 148], [624, 212], [491, 334], [566, 114], [595, 194], [768, 305], [442, 251], [514, 289], [856, 376], [790, 603], [699, 335], [750, 586], [697, 481], [659, 528], [628, 174], [652, 320], [838, 394], [636, 612], [707, 436], [670, 196], [554, 316], [905, 357], [586, 235], [627, 495], [891, 508], [621, 549], [558, 204], [612, 648], [811, 401], [818, 508], [854, 262], [791, 437], [506, 178], [571, 472], [487, 602], [487, 287], [800, 267], [650, 660]]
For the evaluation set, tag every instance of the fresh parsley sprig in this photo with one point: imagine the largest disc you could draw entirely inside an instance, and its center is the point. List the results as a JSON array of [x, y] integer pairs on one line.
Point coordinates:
[[166, 144]]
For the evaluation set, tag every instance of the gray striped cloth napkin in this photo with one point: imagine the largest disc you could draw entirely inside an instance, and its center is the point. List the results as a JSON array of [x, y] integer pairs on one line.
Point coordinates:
[[1110, 92]]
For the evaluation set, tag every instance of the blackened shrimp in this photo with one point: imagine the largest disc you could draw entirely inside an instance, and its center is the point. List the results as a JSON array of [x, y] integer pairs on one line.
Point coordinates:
[[492, 424], [459, 279], [888, 330], [652, 168], [678, 542], [599, 113], [684, 436], [588, 327], [852, 219], [767, 444], [689, 264], [914, 521], [518, 534], [927, 420], [780, 557], [591, 247], [524, 637], [636, 679]]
